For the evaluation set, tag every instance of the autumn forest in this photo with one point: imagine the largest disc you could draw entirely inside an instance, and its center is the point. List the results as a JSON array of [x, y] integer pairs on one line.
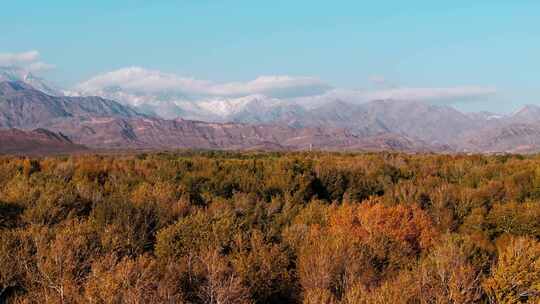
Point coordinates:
[[228, 228]]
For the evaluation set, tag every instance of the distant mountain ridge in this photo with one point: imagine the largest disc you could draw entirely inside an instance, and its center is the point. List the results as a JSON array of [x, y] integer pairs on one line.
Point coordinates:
[[260, 121], [105, 124], [432, 124], [22, 106]]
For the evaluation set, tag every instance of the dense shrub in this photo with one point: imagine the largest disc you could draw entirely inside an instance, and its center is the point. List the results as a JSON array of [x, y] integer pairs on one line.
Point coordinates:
[[231, 227]]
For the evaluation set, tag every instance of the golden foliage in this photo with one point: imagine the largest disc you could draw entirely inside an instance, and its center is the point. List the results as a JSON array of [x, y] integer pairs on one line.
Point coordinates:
[[231, 227], [516, 276]]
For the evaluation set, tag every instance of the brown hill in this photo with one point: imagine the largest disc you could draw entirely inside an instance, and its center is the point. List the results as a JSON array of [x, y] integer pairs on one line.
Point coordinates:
[[40, 141], [153, 133]]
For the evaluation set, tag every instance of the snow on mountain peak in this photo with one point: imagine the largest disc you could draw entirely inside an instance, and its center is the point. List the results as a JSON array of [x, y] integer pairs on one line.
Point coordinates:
[[228, 106], [23, 75]]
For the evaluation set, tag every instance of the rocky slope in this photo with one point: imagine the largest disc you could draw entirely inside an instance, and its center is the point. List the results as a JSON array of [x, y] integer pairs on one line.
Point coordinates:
[[22, 106], [511, 138]]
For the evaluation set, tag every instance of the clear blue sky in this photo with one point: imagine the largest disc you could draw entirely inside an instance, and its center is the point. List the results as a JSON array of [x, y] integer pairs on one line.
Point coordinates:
[[409, 43]]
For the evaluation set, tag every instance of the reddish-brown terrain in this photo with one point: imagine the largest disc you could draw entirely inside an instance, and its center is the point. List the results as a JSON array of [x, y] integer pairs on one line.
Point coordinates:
[[40, 141]]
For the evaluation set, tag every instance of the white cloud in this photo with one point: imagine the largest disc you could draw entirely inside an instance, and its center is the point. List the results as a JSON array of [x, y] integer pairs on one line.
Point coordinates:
[[377, 79], [432, 94], [39, 66], [386, 89], [143, 81], [277, 86], [169, 94], [139, 80], [28, 61], [17, 59], [435, 95]]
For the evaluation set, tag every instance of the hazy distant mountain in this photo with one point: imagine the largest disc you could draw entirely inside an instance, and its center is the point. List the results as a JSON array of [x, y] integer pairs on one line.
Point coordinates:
[[22, 106], [512, 138], [434, 124], [485, 116], [526, 114], [428, 122]]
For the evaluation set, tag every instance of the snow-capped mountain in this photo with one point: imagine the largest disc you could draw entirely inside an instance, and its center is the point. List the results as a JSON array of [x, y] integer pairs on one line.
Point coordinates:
[[353, 111], [171, 105], [172, 96], [20, 74], [105, 124]]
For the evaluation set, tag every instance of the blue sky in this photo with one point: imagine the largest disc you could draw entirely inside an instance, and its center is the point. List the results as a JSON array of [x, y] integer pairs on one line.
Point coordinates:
[[346, 44]]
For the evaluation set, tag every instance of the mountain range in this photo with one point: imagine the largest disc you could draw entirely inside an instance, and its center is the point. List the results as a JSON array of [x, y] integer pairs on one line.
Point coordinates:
[[257, 121], [105, 124]]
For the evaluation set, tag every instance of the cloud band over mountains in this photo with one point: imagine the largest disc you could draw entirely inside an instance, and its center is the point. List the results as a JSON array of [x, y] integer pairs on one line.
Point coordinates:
[[450, 94], [138, 86], [29, 61], [140, 81]]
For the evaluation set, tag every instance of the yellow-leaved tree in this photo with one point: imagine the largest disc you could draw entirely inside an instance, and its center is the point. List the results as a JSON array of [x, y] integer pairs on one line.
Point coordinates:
[[516, 276]]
